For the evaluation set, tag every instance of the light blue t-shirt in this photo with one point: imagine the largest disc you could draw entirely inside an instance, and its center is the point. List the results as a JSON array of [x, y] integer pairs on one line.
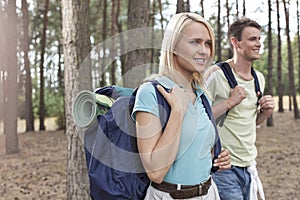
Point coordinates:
[[194, 161]]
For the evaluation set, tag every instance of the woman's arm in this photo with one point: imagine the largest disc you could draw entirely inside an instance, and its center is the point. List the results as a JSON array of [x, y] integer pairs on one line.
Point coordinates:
[[158, 150]]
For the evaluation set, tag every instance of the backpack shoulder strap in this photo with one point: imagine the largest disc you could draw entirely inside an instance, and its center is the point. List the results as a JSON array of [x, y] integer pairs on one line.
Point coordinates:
[[232, 83], [228, 73], [225, 67], [231, 79], [256, 83], [218, 146], [163, 106]]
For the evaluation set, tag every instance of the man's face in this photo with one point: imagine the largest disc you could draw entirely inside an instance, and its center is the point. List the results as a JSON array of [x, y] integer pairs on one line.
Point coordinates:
[[249, 45]]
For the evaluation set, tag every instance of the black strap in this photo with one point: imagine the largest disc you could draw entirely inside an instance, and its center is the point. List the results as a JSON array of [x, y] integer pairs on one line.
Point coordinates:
[[165, 113], [256, 83], [217, 147], [231, 78], [228, 74], [163, 106], [225, 67]]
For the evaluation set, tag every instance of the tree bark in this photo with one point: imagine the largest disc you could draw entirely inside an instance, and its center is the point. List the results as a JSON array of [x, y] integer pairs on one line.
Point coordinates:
[[113, 46], [244, 7], [202, 7], [290, 63], [219, 35], [237, 9], [104, 32], [298, 38], [270, 59], [138, 17], [279, 63], [2, 65], [28, 84], [10, 107], [42, 78], [229, 53], [180, 6], [187, 6], [77, 46], [152, 55], [60, 75], [161, 17]]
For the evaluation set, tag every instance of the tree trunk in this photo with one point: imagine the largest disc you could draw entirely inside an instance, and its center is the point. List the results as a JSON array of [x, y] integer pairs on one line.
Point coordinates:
[[77, 46], [202, 7], [298, 38], [270, 59], [2, 64], [28, 85], [42, 78], [187, 6], [138, 17], [291, 63], [237, 9], [152, 55], [113, 46], [36, 34], [219, 35], [119, 28], [229, 53], [161, 17], [104, 31], [60, 75], [244, 7], [180, 6], [11, 103], [279, 62], [290, 102]]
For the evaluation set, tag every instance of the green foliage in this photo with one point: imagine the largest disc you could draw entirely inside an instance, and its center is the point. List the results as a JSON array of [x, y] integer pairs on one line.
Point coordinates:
[[54, 104], [54, 99], [55, 108], [21, 106]]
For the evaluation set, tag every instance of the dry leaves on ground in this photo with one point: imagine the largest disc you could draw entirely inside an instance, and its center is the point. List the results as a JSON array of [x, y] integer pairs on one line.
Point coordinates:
[[39, 170]]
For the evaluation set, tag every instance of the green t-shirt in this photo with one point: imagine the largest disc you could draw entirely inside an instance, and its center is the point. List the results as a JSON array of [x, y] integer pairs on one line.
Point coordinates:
[[238, 133]]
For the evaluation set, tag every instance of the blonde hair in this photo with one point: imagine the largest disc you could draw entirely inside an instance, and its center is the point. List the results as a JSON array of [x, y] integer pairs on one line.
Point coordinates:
[[171, 37]]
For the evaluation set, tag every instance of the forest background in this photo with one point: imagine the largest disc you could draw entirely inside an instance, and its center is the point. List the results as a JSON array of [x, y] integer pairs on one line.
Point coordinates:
[[52, 49]]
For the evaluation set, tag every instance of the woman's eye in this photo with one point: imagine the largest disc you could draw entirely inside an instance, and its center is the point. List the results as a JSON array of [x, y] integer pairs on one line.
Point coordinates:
[[194, 42], [208, 44]]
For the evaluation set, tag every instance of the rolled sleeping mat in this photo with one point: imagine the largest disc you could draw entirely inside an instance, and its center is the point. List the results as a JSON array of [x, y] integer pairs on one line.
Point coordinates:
[[87, 106]]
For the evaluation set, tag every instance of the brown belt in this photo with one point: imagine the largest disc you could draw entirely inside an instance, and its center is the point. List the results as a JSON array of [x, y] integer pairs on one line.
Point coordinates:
[[186, 191]]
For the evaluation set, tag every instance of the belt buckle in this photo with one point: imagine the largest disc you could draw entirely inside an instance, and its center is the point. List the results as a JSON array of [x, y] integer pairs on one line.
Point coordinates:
[[200, 189]]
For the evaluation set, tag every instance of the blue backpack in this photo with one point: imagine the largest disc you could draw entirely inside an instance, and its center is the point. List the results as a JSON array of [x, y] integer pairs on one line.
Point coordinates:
[[114, 167], [225, 67]]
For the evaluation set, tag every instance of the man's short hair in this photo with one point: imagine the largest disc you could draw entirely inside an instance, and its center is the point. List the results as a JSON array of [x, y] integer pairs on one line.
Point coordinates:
[[237, 27]]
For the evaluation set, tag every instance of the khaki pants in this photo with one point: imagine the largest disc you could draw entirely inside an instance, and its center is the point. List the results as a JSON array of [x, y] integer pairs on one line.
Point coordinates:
[[154, 194]]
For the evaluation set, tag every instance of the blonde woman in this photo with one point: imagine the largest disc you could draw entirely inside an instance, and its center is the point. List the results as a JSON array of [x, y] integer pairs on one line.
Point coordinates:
[[178, 160]]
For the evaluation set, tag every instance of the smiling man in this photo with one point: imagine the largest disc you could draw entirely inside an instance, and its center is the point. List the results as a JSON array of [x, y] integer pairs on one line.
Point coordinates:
[[244, 111]]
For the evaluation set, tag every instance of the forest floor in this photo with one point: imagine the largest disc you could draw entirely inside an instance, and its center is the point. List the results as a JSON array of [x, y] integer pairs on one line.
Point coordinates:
[[38, 172]]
